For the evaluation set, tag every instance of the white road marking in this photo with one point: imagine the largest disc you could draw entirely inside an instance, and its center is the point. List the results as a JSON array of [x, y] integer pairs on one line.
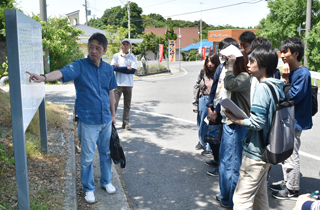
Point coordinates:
[[309, 155]]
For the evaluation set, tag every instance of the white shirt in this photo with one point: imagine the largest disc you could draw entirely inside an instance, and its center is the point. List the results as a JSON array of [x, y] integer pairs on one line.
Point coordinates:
[[221, 93], [124, 60]]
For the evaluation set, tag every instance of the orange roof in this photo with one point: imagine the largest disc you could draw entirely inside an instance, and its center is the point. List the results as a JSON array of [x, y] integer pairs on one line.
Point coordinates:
[[187, 34]]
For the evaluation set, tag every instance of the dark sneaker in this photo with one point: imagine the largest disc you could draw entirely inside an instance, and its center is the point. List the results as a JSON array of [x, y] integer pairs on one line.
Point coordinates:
[[212, 163], [225, 206], [214, 172], [286, 194], [198, 146], [206, 153], [278, 187], [218, 196]]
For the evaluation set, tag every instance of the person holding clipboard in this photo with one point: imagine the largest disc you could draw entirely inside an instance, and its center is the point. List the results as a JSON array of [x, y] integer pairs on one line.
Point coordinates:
[[251, 189], [234, 83]]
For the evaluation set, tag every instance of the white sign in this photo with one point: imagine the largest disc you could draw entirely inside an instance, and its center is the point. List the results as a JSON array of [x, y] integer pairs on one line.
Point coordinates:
[[179, 36], [30, 59]]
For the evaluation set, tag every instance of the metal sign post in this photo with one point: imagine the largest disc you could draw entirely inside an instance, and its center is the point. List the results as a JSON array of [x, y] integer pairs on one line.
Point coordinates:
[[24, 48]]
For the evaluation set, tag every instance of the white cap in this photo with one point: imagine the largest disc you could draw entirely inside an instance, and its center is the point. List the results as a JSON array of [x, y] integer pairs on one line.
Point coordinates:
[[126, 40]]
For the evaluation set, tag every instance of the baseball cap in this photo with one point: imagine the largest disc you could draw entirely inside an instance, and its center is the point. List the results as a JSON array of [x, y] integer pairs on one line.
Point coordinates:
[[126, 40]]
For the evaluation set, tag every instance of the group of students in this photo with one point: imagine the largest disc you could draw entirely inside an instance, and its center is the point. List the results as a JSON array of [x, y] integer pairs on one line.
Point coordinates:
[[238, 157]]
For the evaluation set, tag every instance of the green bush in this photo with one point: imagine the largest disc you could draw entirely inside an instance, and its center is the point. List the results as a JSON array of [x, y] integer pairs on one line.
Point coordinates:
[[4, 68], [193, 55]]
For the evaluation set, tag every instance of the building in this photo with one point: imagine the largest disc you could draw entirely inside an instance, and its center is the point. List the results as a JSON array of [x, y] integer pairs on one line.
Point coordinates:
[[205, 44], [188, 36], [216, 36]]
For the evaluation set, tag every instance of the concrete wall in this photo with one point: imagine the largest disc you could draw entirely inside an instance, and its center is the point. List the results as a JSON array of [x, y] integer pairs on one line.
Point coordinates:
[[3, 52]]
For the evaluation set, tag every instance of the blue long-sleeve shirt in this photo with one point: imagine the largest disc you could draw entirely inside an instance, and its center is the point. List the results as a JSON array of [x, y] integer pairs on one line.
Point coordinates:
[[301, 93], [123, 69]]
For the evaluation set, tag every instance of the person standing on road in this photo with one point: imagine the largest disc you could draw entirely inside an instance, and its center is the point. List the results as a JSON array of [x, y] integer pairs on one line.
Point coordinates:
[[94, 82], [251, 190], [299, 77], [201, 92], [125, 65], [234, 82]]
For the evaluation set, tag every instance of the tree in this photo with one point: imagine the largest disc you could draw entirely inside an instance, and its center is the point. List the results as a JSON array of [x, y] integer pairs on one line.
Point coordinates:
[[169, 35], [4, 4], [284, 18], [61, 39], [313, 50], [118, 16], [115, 35], [150, 42]]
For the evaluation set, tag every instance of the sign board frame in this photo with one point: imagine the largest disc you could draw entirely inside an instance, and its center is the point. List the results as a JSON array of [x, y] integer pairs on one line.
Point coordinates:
[[16, 22]]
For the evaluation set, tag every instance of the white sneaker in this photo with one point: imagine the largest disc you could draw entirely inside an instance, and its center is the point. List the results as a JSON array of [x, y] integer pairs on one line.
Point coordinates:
[[90, 197], [110, 188]]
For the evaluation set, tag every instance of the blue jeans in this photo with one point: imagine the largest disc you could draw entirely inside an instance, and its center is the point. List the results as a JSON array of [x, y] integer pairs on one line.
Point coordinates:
[[90, 136], [202, 125], [230, 158]]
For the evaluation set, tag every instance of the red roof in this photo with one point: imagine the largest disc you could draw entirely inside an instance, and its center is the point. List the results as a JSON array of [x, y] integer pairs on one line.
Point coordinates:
[[187, 34]]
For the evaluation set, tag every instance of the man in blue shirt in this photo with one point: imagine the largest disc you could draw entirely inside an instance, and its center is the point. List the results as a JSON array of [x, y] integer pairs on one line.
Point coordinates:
[[94, 81], [292, 50]]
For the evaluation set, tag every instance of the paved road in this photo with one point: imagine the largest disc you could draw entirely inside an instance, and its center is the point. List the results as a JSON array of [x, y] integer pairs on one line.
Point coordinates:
[[164, 171]]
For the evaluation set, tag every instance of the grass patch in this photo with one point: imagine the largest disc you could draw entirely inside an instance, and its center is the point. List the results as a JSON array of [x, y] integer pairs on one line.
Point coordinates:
[[153, 68], [45, 171]]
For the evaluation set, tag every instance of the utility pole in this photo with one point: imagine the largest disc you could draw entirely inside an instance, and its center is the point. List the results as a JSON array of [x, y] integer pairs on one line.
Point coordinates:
[[43, 10], [201, 31], [308, 27], [128, 6], [179, 50], [86, 8], [43, 15]]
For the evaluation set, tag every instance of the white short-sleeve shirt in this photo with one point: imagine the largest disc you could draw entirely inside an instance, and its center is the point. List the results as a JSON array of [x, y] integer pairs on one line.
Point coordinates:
[[124, 60]]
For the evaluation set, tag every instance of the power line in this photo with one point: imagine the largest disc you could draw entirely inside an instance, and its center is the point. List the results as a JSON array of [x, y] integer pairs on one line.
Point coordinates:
[[215, 8], [158, 3], [137, 20]]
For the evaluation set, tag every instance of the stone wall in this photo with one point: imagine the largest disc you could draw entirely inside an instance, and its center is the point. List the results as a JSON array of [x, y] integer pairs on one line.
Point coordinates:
[[3, 52]]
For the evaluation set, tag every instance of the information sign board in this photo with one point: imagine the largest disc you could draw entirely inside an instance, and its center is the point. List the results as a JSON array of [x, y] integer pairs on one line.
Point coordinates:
[[30, 59]]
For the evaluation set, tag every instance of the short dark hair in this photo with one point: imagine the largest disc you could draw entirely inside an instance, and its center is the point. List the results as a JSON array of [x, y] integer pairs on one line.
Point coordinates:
[[102, 39], [214, 58], [295, 44], [247, 36], [260, 41], [266, 57], [227, 42]]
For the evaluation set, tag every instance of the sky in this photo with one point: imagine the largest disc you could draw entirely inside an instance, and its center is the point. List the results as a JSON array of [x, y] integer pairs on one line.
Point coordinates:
[[243, 13]]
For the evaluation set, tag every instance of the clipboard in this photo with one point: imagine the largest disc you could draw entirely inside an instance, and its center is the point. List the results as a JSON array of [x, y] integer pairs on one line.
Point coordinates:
[[228, 104]]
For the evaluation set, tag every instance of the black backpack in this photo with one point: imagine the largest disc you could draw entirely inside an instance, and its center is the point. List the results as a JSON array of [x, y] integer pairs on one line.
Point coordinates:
[[314, 99], [116, 150]]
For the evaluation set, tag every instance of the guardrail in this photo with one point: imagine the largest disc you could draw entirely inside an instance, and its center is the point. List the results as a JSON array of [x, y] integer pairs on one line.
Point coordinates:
[[315, 76]]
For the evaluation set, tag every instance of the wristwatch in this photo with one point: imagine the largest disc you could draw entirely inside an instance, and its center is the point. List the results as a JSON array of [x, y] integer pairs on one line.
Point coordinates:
[[45, 77]]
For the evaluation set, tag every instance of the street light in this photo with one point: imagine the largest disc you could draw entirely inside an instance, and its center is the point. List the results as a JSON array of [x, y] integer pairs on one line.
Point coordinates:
[[201, 31]]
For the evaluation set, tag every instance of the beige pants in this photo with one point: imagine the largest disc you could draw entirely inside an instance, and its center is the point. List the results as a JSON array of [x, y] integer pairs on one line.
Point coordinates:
[[127, 95], [251, 191]]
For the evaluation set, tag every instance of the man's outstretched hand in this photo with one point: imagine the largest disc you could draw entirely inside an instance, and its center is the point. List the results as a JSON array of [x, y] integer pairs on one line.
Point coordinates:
[[35, 77]]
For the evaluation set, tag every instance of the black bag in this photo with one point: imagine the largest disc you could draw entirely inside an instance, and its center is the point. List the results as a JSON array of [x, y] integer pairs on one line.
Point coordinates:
[[280, 142], [116, 150], [314, 99]]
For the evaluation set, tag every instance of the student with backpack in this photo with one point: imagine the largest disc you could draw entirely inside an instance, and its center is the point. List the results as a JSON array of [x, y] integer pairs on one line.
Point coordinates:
[[251, 189], [299, 77]]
